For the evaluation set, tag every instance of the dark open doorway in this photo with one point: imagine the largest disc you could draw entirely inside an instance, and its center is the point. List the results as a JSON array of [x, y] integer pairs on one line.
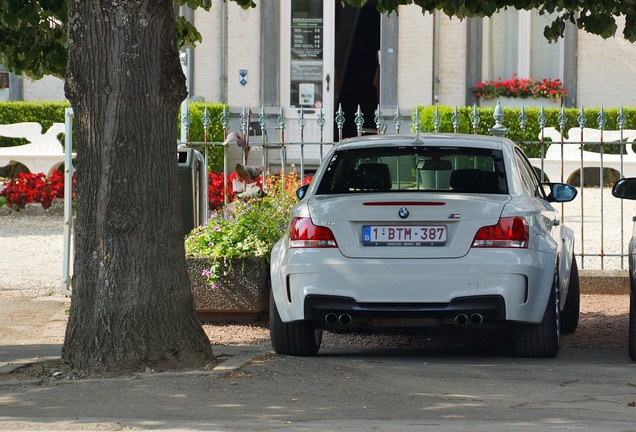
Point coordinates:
[[357, 42]]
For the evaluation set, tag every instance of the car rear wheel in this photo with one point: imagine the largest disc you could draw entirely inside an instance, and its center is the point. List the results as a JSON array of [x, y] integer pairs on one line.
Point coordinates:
[[632, 324], [300, 338], [542, 339], [572, 308]]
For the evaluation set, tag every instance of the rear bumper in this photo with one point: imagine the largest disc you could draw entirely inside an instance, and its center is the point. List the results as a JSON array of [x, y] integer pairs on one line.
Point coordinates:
[[323, 309], [502, 284]]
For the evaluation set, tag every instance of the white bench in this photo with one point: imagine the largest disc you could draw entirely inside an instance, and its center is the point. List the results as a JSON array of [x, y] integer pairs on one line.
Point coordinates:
[[43, 154], [568, 154]]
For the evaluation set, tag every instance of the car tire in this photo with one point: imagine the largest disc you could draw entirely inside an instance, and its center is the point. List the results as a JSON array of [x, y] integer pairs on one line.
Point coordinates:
[[542, 340], [572, 308], [301, 338], [632, 323]]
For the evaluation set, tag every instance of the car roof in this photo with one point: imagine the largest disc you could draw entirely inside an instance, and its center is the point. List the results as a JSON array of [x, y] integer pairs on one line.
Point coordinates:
[[423, 139]]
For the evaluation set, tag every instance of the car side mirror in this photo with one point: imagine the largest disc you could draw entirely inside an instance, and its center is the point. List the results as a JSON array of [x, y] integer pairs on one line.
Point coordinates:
[[301, 191], [560, 192], [625, 188]]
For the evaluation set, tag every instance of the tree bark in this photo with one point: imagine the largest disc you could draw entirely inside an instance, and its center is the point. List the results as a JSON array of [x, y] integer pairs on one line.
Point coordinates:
[[131, 304]]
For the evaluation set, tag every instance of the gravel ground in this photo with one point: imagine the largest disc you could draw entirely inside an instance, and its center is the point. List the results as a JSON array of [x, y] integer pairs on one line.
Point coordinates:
[[31, 253], [603, 233], [31, 250]]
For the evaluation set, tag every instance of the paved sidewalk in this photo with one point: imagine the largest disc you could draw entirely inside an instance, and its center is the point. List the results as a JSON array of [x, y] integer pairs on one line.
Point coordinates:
[[32, 330]]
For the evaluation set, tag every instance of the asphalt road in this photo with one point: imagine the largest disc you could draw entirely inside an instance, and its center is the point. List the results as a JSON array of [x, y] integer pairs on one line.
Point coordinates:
[[355, 389], [473, 387]]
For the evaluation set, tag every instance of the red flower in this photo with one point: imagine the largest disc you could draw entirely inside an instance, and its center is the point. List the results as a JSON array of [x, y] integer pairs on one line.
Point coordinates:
[[33, 188], [519, 87]]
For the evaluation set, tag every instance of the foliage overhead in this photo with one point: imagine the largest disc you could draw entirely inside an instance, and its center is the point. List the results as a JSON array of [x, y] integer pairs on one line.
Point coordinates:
[[592, 16], [33, 32]]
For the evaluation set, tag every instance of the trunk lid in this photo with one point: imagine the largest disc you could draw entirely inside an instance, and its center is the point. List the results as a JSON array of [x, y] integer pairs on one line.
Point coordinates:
[[406, 225]]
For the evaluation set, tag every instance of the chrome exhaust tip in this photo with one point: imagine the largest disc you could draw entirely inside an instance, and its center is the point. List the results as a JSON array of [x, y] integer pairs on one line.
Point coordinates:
[[331, 319], [345, 319], [461, 319], [476, 319]]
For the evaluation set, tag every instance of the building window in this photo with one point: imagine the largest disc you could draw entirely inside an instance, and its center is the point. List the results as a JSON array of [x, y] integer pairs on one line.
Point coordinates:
[[514, 44]]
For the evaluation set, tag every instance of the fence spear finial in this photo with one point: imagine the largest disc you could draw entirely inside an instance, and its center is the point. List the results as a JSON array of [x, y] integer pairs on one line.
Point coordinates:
[[498, 129]]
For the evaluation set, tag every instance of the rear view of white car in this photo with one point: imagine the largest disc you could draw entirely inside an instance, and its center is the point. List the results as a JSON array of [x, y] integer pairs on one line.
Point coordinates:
[[425, 230]]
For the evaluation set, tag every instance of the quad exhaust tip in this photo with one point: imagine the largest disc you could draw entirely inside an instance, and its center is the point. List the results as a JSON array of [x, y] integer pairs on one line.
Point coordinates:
[[463, 319], [476, 319], [345, 319], [332, 319]]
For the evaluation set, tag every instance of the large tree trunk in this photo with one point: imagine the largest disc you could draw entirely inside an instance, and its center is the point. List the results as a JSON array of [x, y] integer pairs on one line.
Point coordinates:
[[131, 304]]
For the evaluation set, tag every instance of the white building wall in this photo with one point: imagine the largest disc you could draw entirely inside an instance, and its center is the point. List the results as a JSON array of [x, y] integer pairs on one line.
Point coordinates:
[[243, 40], [46, 89], [606, 67], [606, 70], [208, 63], [415, 57], [452, 67]]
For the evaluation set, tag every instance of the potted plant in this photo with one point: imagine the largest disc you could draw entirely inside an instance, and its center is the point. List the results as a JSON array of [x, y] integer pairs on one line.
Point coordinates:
[[228, 256], [519, 91]]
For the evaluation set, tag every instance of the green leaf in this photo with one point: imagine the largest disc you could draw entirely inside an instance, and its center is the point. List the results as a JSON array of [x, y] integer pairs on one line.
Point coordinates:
[[629, 32], [602, 24]]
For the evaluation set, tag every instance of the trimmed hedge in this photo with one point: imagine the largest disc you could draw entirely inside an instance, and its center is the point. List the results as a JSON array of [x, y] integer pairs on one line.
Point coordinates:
[[532, 129], [48, 113], [45, 113], [196, 132]]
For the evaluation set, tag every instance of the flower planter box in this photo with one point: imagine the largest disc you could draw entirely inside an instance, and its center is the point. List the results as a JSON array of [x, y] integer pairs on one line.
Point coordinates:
[[242, 292], [508, 102]]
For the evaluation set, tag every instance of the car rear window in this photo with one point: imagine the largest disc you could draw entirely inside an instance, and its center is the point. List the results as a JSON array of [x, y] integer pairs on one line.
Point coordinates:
[[415, 168]]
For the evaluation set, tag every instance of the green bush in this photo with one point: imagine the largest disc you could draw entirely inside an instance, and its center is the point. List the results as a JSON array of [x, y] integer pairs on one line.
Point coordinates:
[[196, 132], [48, 113], [45, 113]]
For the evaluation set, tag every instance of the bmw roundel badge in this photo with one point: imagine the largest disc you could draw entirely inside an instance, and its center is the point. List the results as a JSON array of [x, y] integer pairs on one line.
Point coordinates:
[[403, 212]]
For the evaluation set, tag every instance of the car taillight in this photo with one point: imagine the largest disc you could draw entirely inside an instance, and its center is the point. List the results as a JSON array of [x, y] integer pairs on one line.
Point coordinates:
[[510, 232], [304, 234]]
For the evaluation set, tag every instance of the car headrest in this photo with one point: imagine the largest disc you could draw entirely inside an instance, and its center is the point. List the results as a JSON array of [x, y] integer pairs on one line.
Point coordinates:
[[372, 176], [467, 180]]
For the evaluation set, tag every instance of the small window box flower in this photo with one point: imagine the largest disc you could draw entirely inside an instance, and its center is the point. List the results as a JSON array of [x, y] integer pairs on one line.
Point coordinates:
[[520, 88]]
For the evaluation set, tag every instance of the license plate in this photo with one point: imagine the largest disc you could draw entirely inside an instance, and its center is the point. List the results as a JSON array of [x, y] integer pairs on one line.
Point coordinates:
[[399, 235]]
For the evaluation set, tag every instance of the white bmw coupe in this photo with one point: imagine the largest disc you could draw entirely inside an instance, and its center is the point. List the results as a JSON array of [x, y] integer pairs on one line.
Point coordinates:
[[425, 230]]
